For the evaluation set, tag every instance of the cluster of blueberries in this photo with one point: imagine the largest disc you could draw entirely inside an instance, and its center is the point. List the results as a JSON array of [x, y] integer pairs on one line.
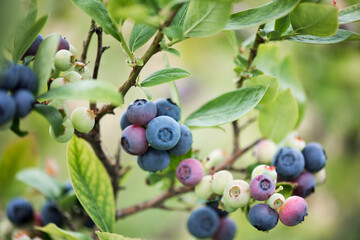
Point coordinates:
[[18, 84], [21, 213], [296, 162], [152, 132]]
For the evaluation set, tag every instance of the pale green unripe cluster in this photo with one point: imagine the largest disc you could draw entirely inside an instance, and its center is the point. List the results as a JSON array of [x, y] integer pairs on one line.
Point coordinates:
[[64, 59], [72, 76], [83, 119], [66, 135], [296, 142], [215, 157], [83, 70], [220, 180], [225, 207], [237, 194], [265, 150], [203, 190], [61, 106]]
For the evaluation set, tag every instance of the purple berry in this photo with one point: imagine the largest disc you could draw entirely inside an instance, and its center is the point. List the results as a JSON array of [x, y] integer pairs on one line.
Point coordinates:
[[293, 211], [166, 107], [154, 160], [226, 230], [305, 184], [262, 187], [163, 133], [315, 157], [7, 107], [263, 217], [289, 163], [141, 112], [189, 172], [184, 143], [32, 50], [133, 140], [124, 121], [203, 222], [51, 214], [24, 101], [19, 211], [63, 43]]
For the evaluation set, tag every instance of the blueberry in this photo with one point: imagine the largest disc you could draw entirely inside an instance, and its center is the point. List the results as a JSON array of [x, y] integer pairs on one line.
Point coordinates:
[[189, 172], [124, 121], [288, 162], [165, 107], [141, 112], [276, 201], [265, 150], [154, 160], [24, 101], [265, 170], [163, 132], [133, 140], [236, 194], [219, 181], [72, 76], [89, 223], [262, 187], [226, 230], [83, 119], [64, 59], [184, 143], [19, 211], [305, 184], [7, 107], [50, 214], [27, 78], [215, 157], [203, 222], [263, 217], [57, 82], [9, 77], [315, 157], [296, 142], [215, 205], [32, 50], [203, 189], [293, 211], [63, 43]]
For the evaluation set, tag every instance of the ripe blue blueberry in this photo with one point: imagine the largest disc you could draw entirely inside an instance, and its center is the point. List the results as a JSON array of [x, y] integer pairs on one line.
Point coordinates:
[[293, 211], [184, 143], [226, 230], [203, 222], [7, 107], [89, 223], [154, 160], [27, 78], [263, 217], [9, 77], [19, 211], [124, 121], [163, 133], [305, 184], [141, 112], [215, 205], [166, 107], [262, 187], [24, 101], [32, 50], [315, 157], [133, 140], [189, 172], [288, 162], [50, 214]]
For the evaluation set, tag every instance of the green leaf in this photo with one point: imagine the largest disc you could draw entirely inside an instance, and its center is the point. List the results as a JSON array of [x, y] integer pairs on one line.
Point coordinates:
[[86, 89], [180, 16], [232, 39], [97, 10], [174, 32], [16, 155], [340, 36], [173, 51], [52, 115], [139, 13], [113, 236], [175, 160], [24, 41], [153, 178], [205, 18], [113, 5], [28, 21], [44, 61], [257, 16], [42, 182], [315, 19], [140, 34], [288, 188], [67, 202], [282, 24], [91, 183], [271, 82], [349, 14], [60, 234], [164, 76], [279, 117], [227, 107]]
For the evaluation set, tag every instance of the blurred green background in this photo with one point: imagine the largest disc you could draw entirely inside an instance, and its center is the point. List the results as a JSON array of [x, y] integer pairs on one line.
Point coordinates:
[[331, 78]]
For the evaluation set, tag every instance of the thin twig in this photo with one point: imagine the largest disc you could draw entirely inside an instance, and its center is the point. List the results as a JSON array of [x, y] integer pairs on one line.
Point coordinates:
[[86, 43], [236, 131]]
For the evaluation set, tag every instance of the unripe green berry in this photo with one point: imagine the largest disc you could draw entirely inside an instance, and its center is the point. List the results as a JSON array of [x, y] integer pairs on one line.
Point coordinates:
[[83, 70], [83, 119], [61, 106], [215, 157], [225, 207], [265, 170], [57, 82], [64, 60], [276, 201], [203, 188], [64, 136], [320, 177], [72, 76], [265, 150], [237, 194], [296, 142], [220, 180]]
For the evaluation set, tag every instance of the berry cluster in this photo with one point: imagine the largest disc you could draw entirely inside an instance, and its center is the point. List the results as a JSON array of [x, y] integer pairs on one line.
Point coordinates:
[[152, 132], [295, 165], [18, 84]]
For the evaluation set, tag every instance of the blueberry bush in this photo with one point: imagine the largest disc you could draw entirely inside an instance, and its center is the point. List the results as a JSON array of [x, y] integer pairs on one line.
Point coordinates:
[[43, 74]]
